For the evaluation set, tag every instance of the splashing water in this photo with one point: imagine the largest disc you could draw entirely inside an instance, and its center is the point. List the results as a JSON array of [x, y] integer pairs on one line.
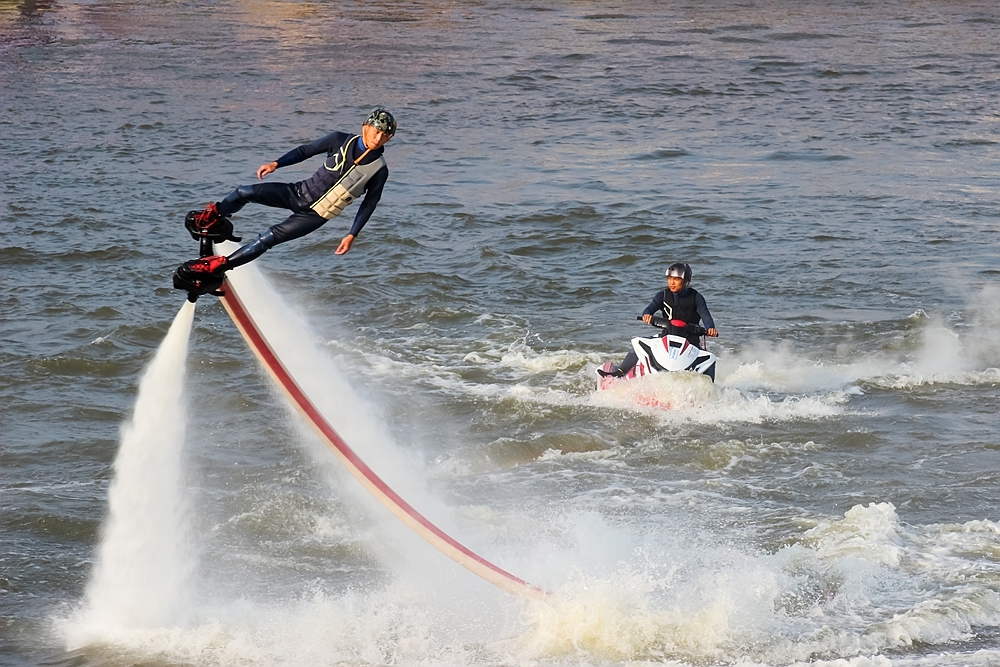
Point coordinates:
[[144, 559]]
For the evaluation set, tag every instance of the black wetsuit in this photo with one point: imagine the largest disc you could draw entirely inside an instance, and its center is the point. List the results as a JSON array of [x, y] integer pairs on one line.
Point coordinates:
[[341, 150], [688, 305]]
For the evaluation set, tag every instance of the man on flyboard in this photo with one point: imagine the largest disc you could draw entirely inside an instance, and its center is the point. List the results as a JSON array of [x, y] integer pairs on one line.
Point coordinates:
[[354, 166]]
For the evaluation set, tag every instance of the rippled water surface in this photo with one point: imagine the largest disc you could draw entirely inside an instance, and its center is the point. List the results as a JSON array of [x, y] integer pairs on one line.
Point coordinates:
[[828, 169]]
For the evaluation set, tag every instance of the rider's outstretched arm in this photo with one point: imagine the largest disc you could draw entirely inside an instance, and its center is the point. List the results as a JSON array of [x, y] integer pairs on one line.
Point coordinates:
[[706, 317]]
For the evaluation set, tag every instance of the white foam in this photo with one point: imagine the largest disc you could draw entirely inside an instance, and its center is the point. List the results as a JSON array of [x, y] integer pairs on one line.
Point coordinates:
[[570, 380], [982, 342], [769, 367], [693, 397], [646, 583], [849, 589], [944, 354], [385, 627], [870, 533], [520, 356], [145, 558]]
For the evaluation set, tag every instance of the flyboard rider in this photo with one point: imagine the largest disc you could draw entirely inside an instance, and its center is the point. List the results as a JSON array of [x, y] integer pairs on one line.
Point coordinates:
[[678, 302], [354, 166]]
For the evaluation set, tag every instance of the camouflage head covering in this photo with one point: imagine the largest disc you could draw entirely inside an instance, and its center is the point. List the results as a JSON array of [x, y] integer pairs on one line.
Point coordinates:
[[381, 119]]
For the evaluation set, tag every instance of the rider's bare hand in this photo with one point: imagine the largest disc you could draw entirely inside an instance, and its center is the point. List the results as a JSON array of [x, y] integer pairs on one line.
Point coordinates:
[[265, 169], [345, 245]]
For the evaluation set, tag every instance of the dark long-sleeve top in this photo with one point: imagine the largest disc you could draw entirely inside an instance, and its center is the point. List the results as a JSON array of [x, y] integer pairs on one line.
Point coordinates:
[[341, 153], [699, 304]]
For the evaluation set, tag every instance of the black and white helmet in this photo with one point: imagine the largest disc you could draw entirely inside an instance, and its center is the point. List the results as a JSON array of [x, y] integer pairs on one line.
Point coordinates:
[[680, 270]]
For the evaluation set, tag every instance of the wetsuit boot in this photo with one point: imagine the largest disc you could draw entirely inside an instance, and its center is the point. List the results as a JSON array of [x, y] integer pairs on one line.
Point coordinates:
[[206, 219], [204, 275], [209, 226], [213, 265], [622, 369]]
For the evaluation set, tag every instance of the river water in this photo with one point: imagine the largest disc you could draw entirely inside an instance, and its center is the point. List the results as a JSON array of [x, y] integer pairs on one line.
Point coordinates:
[[828, 169]]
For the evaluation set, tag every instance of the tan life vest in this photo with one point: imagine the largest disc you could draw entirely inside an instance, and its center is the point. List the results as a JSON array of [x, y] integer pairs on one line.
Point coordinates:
[[350, 186]]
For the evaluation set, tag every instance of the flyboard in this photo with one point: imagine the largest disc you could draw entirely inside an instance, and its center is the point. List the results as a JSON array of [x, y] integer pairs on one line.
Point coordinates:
[[254, 320]]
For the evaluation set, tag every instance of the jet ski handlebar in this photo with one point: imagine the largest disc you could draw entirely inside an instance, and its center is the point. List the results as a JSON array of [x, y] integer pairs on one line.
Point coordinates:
[[671, 325]]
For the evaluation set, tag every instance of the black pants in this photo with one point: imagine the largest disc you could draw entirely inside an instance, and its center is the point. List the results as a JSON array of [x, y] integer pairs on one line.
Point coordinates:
[[302, 221]]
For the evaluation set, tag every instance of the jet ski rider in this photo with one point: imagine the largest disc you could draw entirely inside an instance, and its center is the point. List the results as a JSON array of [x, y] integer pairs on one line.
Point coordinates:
[[678, 302], [353, 166]]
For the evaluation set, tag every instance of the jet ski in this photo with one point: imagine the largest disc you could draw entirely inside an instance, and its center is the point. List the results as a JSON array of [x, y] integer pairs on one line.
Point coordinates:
[[668, 353]]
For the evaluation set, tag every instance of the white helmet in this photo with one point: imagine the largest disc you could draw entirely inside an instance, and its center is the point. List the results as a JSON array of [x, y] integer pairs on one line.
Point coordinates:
[[679, 270]]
